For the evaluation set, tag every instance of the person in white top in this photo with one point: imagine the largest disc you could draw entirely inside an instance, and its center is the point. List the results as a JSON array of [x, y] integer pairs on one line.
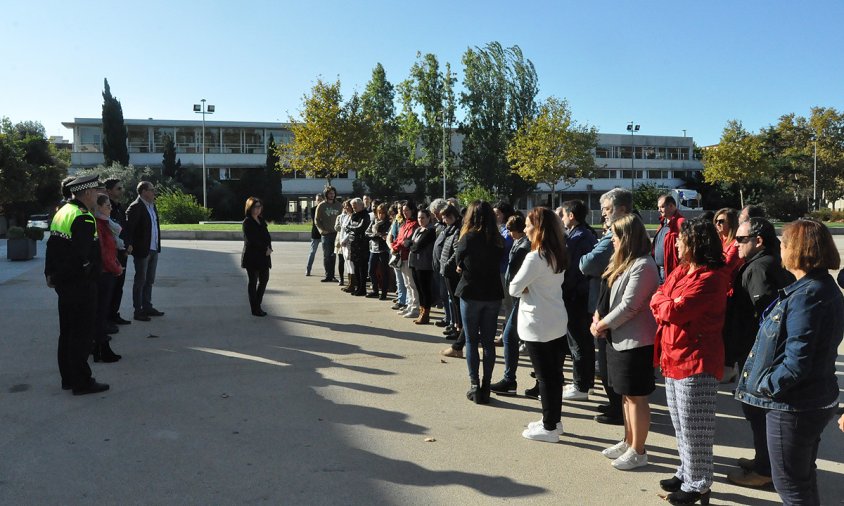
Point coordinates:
[[542, 318]]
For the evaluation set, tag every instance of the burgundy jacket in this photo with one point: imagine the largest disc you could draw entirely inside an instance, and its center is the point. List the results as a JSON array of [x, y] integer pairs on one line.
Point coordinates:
[[670, 258]]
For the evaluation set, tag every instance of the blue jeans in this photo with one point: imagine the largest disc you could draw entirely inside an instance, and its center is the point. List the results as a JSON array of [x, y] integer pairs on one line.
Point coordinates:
[[793, 439], [511, 343], [144, 279], [378, 261], [480, 321], [401, 290], [328, 255], [312, 254]]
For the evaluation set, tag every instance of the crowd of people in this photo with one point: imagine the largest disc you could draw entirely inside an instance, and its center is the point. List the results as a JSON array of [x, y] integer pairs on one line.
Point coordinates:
[[711, 300]]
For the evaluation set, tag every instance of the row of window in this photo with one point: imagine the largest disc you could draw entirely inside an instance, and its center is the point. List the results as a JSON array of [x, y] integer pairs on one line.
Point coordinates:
[[188, 139], [643, 152]]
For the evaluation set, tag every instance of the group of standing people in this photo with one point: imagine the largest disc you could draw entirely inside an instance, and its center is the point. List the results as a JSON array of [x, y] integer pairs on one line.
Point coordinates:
[[706, 297], [87, 253]]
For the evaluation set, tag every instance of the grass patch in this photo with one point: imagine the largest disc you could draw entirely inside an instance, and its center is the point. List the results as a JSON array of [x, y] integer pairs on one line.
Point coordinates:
[[234, 227]]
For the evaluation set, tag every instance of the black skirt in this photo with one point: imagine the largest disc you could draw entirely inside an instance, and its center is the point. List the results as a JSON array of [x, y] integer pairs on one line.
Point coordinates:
[[631, 372]]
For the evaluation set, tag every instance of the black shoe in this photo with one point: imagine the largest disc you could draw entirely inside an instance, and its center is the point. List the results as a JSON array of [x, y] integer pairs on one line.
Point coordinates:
[[153, 312], [111, 328], [672, 484], [604, 408], [328, 280], [449, 330], [259, 312], [442, 323], [532, 393], [383, 297], [373, 295], [340, 281], [120, 321], [453, 336], [609, 419], [398, 306], [359, 294], [473, 392], [681, 497], [141, 317], [66, 386], [104, 353], [504, 387], [91, 388], [482, 395]]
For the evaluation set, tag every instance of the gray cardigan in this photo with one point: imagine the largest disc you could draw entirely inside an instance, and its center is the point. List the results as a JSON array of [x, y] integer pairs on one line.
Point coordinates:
[[630, 318]]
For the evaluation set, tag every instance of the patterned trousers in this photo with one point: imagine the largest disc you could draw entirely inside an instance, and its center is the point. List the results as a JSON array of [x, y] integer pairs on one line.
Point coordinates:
[[691, 403]]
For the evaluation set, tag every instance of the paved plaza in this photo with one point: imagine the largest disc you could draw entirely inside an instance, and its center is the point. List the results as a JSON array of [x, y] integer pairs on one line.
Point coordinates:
[[331, 399]]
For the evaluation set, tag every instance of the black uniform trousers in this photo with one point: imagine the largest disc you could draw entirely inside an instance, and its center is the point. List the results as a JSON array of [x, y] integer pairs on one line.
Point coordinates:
[[77, 327]]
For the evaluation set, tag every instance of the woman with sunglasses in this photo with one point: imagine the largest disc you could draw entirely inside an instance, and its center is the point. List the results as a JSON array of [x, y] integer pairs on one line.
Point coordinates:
[[726, 223]]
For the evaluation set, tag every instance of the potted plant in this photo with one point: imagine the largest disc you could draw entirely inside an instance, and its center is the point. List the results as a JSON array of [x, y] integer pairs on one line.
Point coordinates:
[[21, 244]]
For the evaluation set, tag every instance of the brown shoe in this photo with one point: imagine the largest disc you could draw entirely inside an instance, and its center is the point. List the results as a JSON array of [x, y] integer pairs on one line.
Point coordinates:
[[424, 316], [748, 478], [451, 352]]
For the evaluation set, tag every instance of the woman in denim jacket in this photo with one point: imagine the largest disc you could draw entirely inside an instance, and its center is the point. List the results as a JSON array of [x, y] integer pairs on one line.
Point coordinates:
[[790, 371]]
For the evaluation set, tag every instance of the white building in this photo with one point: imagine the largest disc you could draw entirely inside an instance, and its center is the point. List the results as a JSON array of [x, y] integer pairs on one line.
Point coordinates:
[[232, 147]]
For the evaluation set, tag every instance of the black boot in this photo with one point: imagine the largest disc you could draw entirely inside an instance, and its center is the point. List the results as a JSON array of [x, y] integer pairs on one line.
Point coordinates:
[[103, 353], [482, 396]]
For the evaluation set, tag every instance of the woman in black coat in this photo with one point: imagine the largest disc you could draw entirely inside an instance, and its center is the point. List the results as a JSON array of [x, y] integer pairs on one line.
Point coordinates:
[[257, 248]]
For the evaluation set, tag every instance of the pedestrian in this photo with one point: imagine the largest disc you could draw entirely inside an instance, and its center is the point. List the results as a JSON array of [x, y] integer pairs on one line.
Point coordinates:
[[664, 250], [421, 263], [257, 248], [325, 217], [72, 268], [316, 237], [114, 190], [110, 271], [358, 246], [143, 242]]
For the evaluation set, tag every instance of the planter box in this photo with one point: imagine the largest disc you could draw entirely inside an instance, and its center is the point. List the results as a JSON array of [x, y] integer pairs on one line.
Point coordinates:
[[20, 249]]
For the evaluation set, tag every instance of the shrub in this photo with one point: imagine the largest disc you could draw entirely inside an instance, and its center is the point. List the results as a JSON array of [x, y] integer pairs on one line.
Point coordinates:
[[36, 234], [15, 233], [827, 214], [176, 206], [475, 193]]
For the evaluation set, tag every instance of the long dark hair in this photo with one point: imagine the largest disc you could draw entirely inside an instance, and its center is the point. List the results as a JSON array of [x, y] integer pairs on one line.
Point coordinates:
[[703, 245], [549, 239], [481, 219]]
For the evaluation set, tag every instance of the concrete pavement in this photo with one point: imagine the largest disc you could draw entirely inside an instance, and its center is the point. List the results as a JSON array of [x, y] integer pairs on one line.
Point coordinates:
[[331, 399]]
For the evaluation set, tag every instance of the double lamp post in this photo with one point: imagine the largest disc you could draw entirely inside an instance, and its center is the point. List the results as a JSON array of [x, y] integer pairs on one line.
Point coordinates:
[[203, 109]]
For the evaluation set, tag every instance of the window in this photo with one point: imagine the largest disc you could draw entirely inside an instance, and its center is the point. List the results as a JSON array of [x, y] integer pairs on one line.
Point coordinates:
[[138, 139], [625, 174], [187, 140], [212, 140], [253, 140], [625, 151], [602, 152], [605, 174], [160, 136], [647, 153], [231, 140], [659, 174], [90, 140]]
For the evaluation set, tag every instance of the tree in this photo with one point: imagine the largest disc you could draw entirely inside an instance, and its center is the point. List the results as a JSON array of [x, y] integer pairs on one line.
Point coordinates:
[[387, 171], [115, 148], [330, 139], [500, 95], [274, 203], [552, 148], [737, 159], [170, 166]]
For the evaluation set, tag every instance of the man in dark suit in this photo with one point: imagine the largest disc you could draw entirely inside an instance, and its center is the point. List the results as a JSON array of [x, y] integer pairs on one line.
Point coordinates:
[[143, 242]]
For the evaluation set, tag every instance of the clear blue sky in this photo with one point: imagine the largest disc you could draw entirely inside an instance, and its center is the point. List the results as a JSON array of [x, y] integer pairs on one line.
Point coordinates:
[[668, 65]]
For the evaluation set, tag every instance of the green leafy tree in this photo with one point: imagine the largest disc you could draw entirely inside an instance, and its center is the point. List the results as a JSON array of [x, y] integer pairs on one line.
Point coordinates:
[[647, 195], [328, 141], [500, 88], [170, 165], [115, 148], [387, 171], [552, 148], [274, 203], [737, 159]]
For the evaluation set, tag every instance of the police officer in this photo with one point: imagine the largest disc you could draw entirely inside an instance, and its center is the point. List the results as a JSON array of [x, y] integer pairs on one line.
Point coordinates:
[[72, 267]]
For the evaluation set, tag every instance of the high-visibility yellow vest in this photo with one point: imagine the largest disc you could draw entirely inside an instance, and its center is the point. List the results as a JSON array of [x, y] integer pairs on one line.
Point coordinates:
[[60, 226]]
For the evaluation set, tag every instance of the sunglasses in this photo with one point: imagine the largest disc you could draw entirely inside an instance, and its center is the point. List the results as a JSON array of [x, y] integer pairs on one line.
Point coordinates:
[[721, 222], [741, 239]]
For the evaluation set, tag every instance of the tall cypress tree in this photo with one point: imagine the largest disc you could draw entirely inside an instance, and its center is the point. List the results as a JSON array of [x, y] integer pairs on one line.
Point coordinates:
[[274, 202], [115, 149], [170, 166]]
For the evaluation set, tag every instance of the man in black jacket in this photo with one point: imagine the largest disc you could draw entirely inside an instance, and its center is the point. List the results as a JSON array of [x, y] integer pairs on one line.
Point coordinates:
[[143, 242], [114, 189], [755, 287]]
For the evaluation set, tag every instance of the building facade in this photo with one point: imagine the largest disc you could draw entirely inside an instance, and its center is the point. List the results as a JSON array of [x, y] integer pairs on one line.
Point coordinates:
[[232, 147]]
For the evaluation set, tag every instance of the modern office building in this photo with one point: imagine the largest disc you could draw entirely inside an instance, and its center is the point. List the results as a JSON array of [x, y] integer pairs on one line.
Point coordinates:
[[232, 147]]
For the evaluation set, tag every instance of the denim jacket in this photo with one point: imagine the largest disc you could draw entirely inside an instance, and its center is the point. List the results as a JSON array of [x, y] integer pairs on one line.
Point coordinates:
[[792, 364]]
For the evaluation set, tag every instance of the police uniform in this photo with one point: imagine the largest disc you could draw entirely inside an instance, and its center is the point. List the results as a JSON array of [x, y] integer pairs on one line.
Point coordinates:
[[72, 267]]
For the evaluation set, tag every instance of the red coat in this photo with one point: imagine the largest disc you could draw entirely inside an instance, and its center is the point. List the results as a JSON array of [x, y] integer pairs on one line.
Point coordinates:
[[670, 259], [688, 336], [108, 248], [405, 232], [733, 263]]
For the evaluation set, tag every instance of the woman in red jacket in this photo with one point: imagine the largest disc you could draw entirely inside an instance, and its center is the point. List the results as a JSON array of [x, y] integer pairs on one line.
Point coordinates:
[[689, 311], [401, 246], [107, 231]]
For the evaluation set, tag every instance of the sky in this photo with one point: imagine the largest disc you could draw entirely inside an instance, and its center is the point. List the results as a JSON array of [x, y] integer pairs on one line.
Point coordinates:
[[670, 66]]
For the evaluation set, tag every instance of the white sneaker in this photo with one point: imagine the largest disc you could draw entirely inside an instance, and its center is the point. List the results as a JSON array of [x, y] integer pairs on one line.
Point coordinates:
[[538, 433], [538, 423], [630, 460], [615, 451], [523, 348], [571, 393], [413, 313]]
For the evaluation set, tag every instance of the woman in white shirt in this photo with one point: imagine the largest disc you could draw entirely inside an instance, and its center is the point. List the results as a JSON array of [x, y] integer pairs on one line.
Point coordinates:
[[624, 318], [542, 318]]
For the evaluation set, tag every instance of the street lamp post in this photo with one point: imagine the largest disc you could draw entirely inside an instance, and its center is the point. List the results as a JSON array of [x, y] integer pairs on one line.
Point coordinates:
[[203, 109], [445, 148], [632, 128], [815, 176]]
